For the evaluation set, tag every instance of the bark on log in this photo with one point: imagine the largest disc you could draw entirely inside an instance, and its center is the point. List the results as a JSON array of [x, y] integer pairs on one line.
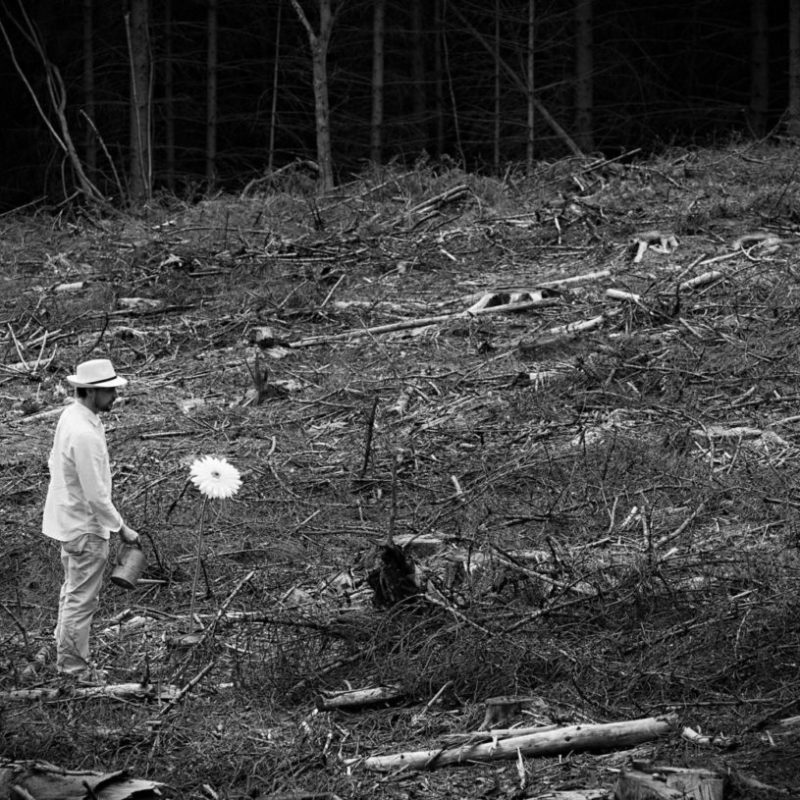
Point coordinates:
[[571, 738], [354, 698], [700, 280], [422, 322], [116, 690], [493, 734], [618, 294]]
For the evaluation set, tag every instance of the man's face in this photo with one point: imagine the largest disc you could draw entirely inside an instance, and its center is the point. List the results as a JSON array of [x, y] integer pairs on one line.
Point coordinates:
[[103, 399]]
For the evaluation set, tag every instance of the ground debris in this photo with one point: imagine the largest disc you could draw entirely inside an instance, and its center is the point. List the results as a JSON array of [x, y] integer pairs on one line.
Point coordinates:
[[38, 780]]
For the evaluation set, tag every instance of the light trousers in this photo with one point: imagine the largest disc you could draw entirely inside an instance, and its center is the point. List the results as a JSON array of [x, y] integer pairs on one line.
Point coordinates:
[[84, 560]]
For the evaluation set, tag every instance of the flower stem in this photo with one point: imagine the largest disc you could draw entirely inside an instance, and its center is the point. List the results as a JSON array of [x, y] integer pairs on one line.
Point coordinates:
[[197, 563]]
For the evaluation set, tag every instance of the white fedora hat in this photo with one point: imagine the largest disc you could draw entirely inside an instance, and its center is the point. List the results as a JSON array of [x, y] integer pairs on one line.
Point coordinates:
[[99, 373]]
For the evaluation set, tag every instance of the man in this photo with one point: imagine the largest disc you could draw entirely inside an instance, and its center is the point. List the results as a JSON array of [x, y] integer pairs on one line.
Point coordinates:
[[78, 511]]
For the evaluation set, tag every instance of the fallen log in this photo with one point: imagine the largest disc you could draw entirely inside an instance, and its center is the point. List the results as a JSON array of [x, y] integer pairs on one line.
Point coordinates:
[[618, 294], [355, 698], [494, 734], [559, 335], [422, 322], [700, 280], [113, 691], [605, 736]]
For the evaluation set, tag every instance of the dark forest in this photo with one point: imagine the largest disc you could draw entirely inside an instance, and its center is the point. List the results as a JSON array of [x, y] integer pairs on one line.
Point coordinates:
[[607, 77]]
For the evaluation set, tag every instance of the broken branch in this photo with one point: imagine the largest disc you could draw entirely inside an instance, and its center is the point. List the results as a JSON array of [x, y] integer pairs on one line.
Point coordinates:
[[568, 739]]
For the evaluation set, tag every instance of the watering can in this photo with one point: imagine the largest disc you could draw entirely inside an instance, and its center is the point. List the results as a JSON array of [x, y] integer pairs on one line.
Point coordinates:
[[129, 566]]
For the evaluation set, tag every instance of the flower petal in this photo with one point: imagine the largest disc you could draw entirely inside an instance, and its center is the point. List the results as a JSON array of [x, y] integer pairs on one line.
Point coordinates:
[[215, 477]]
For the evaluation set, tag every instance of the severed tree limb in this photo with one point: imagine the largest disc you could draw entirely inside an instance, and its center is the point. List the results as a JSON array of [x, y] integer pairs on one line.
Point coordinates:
[[368, 437], [422, 322], [568, 739], [185, 690], [700, 280], [354, 698], [495, 734], [115, 690], [560, 333], [209, 631], [434, 203]]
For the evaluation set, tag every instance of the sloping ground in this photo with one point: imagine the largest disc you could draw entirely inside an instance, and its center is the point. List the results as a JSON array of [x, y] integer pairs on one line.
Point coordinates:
[[598, 487]]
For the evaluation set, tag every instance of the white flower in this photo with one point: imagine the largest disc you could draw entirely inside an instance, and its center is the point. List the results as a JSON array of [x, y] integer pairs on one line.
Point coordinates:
[[215, 477]]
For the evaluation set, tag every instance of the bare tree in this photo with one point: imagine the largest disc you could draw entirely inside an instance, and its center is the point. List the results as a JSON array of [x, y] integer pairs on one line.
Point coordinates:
[[418, 72], [90, 140], [438, 71], [169, 99], [584, 67], [57, 96], [759, 66], [793, 116], [273, 119], [498, 111], [376, 124], [521, 84], [319, 41], [531, 141], [140, 181]]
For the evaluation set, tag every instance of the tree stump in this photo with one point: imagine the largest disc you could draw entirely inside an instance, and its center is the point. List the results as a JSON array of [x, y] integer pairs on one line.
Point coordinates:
[[500, 711], [669, 783]]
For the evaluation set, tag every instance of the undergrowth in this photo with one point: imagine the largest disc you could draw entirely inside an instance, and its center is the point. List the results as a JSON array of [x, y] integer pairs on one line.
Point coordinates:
[[614, 514]]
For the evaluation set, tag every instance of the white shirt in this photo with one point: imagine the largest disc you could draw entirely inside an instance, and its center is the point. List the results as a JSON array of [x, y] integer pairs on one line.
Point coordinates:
[[79, 495]]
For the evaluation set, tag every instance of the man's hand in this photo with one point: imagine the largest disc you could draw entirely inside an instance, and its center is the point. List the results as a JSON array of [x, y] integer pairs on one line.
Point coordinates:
[[128, 535]]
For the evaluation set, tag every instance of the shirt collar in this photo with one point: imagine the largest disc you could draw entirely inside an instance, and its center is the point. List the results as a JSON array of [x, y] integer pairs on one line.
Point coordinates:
[[87, 414]]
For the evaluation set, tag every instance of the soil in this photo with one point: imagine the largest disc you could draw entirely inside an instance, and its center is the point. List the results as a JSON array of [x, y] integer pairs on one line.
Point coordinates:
[[587, 500]]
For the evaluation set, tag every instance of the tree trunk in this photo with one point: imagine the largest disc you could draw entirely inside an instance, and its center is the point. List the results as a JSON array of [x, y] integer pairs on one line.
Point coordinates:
[[355, 698], [169, 100], [531, 141], [140, 179], [543, 112], [793, 117], [497, 89], [90, 140], [273, 119], [376, 126], [438, 28], [211, 96], [449, 76], [584, 66], [319, 58], [572, 738], [759, 67], [418, 74]]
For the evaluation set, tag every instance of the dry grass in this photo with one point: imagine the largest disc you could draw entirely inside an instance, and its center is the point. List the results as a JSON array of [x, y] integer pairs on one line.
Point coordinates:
[[668, 565]]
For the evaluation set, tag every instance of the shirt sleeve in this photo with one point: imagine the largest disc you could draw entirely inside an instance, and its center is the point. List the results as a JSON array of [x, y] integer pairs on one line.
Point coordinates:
[[94, 473]]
